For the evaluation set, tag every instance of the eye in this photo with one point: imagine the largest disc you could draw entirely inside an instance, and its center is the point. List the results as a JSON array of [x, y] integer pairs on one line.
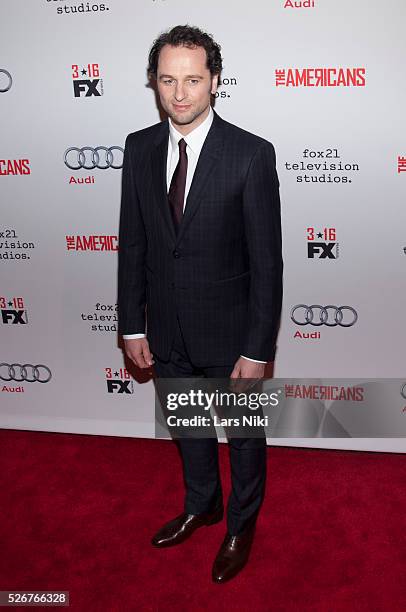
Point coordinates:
[[167, 81], [194, 81]]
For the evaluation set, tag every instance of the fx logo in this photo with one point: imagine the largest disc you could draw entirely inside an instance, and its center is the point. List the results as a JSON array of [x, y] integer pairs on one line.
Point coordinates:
[[87, 81], [120, 386], [321, 250], [14, 317], [118, 381], [89, 88]]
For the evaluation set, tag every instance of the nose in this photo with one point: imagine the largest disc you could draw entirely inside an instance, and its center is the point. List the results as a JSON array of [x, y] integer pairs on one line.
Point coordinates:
[[179, 92]]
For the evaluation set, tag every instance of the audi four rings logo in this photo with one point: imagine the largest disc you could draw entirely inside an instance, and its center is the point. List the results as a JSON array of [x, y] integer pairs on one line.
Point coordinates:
[[97, 157], [25, 373], [330, 315], [403, 390], [9, 80]]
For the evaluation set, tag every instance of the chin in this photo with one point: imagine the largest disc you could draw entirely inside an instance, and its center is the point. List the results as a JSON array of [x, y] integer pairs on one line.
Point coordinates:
[[182, 118]]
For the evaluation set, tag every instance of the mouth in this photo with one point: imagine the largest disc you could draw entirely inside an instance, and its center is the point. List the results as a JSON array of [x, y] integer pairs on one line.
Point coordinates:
[[181, 107]]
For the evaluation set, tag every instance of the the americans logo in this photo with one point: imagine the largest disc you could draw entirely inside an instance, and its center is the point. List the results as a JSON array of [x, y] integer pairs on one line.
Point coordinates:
[[320, 77]]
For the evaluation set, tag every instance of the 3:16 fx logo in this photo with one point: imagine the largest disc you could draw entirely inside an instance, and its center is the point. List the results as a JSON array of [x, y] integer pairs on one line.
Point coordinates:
[[92, 85], [118, 381], [13, 311], [327, 248]]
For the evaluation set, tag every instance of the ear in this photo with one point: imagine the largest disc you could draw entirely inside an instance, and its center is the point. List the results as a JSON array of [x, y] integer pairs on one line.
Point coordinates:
[[214, 83]]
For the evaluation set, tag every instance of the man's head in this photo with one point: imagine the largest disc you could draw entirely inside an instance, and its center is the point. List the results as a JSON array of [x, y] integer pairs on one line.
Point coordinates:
[[186, 64]]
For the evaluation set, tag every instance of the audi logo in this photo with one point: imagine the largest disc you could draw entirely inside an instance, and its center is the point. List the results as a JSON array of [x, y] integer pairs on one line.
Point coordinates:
[[403, 390], [330, 315], [9, 80], [25, 373], [90, 158]]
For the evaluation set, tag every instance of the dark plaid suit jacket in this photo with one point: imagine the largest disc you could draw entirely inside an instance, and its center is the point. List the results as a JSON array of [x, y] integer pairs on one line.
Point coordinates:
[[222, 274]]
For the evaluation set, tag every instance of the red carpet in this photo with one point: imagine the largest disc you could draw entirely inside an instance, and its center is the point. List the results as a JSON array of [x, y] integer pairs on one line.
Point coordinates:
[[78, 512]]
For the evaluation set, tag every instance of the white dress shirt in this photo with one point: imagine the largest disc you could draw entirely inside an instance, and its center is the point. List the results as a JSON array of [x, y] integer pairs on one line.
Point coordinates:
[[194, 143]]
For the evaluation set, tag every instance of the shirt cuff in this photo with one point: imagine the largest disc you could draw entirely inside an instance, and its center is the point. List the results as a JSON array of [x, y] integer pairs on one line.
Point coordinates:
[[255, 360], [133, 336]]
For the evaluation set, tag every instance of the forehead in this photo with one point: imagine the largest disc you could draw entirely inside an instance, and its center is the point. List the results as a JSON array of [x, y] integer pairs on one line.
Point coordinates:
[[181, 59]]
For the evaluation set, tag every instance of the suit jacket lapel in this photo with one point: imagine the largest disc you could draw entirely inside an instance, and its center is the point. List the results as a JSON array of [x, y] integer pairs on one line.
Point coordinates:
[[158, 162]]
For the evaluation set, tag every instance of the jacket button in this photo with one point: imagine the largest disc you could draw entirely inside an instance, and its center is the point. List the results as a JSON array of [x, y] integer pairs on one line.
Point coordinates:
[[176, 254]]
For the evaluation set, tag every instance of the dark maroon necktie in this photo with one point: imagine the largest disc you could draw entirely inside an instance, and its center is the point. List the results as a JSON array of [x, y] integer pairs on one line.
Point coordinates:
[[176, 192]]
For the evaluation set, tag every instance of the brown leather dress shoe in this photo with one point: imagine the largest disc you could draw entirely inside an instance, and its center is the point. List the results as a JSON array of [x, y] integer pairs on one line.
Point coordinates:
[[182, 527], [233, 555]]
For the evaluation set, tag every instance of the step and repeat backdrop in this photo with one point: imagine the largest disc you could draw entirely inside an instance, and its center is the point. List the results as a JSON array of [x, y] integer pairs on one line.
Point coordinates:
[[323, 80]]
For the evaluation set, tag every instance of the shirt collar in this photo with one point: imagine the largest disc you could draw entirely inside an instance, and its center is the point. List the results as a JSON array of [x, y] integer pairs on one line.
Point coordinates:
[[196, 137]]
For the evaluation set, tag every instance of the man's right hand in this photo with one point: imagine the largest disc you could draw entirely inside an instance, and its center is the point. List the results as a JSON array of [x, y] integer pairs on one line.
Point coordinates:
[[137, 349]]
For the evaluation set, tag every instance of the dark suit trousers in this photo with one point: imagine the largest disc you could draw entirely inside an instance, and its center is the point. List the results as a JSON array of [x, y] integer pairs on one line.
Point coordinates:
[[200, 455]]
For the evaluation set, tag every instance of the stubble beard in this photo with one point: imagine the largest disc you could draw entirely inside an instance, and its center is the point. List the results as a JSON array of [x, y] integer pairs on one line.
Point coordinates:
[[185, 118]]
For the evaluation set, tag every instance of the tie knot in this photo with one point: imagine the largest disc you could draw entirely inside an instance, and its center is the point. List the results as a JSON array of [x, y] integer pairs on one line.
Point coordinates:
[[182, 145]]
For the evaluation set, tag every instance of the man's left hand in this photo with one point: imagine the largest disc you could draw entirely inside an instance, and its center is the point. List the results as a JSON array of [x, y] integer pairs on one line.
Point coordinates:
[[244, 368]]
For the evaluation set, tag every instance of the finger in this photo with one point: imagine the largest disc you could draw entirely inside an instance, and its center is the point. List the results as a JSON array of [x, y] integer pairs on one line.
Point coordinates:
[[132, 356], [139, 360], [236, 372], [240, 385], [234, 379], [251, 382], [148, 357]]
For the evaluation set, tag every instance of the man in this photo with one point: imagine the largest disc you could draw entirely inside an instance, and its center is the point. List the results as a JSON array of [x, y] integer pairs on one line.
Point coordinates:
[[200, 271]]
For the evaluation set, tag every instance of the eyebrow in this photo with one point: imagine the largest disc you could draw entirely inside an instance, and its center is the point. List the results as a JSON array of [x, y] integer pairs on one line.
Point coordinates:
[[189, 76]]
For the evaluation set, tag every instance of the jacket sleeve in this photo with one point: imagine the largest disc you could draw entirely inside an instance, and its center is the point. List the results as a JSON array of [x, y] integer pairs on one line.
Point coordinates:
[[262, 220], [132, 244]]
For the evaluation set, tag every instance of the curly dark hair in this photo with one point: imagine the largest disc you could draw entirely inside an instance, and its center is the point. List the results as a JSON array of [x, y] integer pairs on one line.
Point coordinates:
[[187, 36]]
